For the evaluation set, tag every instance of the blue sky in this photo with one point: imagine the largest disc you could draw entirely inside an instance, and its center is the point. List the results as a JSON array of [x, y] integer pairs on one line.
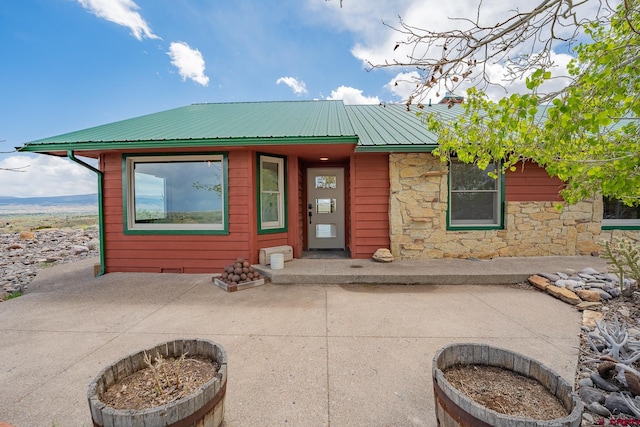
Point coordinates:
[[73, 64]]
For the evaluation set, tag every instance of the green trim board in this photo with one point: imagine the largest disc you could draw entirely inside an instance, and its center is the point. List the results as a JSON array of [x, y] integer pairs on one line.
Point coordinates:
[[186, 143], [167, 229], [101, 225], [620, 227], [396, 149], [285, 218]]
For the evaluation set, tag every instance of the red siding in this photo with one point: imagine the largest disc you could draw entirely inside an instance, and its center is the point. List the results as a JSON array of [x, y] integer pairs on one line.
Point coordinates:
[[274, 239], [531, 183], [367, 219], [347, 214], [295, 209], [369, 204], [181, 253]]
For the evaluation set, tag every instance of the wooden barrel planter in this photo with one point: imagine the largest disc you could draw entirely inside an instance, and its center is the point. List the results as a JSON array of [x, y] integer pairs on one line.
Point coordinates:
[[204, 408], [455, 409]]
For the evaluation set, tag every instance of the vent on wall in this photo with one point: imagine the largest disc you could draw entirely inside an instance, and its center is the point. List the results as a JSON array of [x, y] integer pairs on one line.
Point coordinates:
[[172, 270]]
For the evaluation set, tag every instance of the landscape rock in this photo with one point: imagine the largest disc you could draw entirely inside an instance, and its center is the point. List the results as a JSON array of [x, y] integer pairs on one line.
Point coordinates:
[[383, 255], [586, 382], [539, 282], [77, 249], [552, 277], [585, 305], [597, 408], [616, 404], [23, 254], [605, 385], [590, 395], [27, 235], [588, 295], [591, 317], [570, 284], [564, 294], [633, 382], [588, 270], [604, 294], [599, 285]]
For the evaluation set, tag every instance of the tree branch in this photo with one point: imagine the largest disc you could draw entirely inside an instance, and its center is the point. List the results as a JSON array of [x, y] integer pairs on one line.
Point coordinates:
[[522, 42]]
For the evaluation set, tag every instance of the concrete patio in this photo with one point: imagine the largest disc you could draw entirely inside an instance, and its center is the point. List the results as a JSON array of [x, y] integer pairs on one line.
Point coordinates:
[[299, 354]]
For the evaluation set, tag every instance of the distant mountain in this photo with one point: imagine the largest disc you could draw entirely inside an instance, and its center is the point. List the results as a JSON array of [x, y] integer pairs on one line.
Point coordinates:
[[80, 199]]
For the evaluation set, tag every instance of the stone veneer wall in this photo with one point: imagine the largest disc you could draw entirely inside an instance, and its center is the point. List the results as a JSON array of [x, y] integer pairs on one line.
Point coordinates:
[[418, 209]]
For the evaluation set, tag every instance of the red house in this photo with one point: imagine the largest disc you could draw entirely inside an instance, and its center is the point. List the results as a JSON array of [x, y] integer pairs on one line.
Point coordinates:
[[191, 189]]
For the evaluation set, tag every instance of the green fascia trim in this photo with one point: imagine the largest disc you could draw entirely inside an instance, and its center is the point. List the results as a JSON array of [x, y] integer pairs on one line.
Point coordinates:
[[225, 202], [175, 232], [101, 231], [188, 143], [621, 227], [499, 226], [417, 148], [258, 191], [474, 228]]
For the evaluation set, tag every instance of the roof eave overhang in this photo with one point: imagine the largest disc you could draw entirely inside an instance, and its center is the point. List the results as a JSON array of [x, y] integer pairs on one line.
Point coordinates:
[[182, 143]]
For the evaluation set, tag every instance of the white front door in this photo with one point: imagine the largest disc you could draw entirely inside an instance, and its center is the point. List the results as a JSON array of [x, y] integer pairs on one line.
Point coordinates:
[[325, 208]]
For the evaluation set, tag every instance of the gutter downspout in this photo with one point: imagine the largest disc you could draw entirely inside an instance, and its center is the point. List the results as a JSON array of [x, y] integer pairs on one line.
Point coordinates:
[[98, 172]]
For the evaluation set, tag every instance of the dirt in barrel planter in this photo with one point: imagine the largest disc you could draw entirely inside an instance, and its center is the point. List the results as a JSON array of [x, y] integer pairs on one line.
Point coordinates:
[[163, 381], [505, 391]]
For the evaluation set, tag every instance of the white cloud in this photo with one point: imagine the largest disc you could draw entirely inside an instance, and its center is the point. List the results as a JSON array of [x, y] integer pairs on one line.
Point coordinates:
[[44, 176], [121, 12], [352, 95], [403, 84], [297, 86], [189, 62]]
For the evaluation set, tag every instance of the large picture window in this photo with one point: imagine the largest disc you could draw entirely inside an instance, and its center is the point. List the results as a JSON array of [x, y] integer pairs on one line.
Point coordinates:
[[177, 193], [618, 215], [271, 191], [475, 198]]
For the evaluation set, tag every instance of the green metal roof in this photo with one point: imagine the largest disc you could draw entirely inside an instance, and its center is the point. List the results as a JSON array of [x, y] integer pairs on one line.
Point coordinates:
[[392, 127], [372, 127]]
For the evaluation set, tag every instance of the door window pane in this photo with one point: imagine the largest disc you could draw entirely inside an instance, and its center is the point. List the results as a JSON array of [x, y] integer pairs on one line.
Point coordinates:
[[325, 205], [325, 231], [325, 181]]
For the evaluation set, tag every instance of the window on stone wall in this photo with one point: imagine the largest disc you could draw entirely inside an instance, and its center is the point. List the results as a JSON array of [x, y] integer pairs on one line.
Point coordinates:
[[475, 198], [618, 215]]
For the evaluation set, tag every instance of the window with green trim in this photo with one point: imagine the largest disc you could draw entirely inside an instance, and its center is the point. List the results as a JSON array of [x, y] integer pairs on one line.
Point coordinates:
[[271, 191], [475, 198], [176, 193], [616, 214]]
